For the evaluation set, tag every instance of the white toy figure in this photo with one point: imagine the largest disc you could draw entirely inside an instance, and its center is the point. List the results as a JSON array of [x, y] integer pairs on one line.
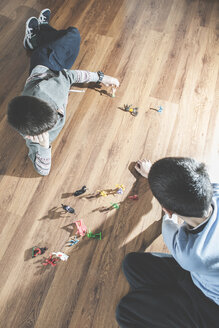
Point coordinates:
[[61, 255]]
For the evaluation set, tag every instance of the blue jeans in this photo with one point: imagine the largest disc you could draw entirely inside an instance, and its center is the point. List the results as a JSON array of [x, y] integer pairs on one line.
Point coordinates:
[[56, 49]]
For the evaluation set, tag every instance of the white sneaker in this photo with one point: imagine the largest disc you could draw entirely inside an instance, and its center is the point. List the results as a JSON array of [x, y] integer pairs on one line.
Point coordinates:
[[31, 33], [44, 16]]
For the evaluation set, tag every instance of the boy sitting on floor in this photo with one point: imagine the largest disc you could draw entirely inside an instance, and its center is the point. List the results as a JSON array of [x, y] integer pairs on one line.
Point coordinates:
[[180, 290], [39, 113]]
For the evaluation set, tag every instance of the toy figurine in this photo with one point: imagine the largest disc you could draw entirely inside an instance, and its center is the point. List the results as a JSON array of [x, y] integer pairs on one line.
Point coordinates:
[[159, 110], [102, 193], [94, 236], [38, 251], [133, 111], [82, 229], [115, 205], [134, 197], [72, 242], [61, 256], [113, 92], [80, 191], [120, 189], [52, 260], [68, 209]]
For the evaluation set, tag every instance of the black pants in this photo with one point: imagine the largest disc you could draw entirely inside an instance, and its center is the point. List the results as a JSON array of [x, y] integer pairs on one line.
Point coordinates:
[[56, 49], [163, 295]]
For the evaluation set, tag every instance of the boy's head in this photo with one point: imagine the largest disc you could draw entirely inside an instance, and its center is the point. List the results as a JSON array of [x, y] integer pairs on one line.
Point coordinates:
[[31, 116], [182, 186]]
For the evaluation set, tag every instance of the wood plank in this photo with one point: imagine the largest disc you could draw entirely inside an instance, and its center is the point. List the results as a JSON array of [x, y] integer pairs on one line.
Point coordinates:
[[165, 53]]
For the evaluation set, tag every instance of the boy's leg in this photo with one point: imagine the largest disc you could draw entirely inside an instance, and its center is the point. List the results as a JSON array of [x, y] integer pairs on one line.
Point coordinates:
[[163, 296], [164, 308], [57, 49], [150, 270]]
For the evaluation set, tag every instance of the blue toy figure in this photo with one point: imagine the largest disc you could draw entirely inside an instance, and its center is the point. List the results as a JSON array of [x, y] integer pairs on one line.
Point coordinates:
[[160, 109], [72, 241]]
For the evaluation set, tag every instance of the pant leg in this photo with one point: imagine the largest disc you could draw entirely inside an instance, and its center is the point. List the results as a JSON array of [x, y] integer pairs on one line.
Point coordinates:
[[48, 34], [56, 50], [151, 269], [164, 308], [163, 296]]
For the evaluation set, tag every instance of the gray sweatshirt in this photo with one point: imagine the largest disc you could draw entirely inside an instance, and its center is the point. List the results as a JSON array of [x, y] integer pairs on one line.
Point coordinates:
[[52, 88]]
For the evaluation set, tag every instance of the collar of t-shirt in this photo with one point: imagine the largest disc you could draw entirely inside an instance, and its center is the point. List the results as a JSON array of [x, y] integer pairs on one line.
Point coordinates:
[[201, 226]]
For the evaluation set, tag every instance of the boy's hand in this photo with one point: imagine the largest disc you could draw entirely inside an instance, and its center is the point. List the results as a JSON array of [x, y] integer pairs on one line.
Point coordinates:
[[143, 167], [109, 80], [42, 139]]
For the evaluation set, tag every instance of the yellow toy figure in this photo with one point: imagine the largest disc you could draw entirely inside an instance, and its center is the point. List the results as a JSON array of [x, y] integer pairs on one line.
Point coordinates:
[[102, 193]]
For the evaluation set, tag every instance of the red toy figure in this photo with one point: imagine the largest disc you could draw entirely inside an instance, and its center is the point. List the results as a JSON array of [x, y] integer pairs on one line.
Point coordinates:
[[82, 229], [134, 197], [51, 260], [38, 251]]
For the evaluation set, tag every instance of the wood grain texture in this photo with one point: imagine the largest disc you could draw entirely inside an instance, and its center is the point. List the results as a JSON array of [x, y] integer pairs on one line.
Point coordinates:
[[164, 52]]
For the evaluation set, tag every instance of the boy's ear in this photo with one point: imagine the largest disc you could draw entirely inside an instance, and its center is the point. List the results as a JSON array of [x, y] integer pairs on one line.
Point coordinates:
[[168, 212]]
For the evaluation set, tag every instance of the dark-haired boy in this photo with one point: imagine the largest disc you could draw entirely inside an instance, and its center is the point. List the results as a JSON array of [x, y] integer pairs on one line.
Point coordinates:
[[179, 290], [39, 113]]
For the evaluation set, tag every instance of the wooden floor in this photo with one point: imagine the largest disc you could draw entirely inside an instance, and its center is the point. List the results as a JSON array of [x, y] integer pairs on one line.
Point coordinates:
[[164, 52]]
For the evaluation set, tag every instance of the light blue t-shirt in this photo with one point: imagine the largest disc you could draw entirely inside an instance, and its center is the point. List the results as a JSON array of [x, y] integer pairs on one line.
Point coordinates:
[[197, 250]]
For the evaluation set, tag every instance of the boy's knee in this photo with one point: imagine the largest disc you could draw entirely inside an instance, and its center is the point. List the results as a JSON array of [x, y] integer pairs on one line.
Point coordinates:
[[128, 261]]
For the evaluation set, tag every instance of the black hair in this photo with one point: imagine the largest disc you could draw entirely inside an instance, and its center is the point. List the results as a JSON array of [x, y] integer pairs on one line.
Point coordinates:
[[181, 185], [30, 115]]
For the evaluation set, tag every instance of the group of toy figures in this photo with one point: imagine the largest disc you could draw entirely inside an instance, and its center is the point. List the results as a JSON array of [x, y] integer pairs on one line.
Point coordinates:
[[82, 230]]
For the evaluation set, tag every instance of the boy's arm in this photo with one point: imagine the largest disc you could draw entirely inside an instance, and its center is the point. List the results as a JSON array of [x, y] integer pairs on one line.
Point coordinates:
[[170, 229], [40, 157], [81, 76]]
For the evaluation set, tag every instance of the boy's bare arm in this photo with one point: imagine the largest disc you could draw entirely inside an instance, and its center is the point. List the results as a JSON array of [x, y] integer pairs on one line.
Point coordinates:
[[82, 76], [42, 139], [40, 153]]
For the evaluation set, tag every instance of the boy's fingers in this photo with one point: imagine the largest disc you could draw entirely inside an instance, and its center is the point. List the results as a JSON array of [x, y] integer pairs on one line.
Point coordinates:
[[40, 137], [137, 168], [35, 139]]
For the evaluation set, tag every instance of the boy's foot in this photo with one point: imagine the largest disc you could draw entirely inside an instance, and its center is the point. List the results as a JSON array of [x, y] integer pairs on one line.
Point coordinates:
[[44, 16], [32, 29]]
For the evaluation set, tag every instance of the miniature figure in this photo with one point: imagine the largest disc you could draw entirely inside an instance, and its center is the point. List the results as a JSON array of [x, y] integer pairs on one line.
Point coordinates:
[[72, 241], [113, 92], [68, 209], [94, 236], [38, 251], [61, 256], [80, 191], [159, 110], [120, 189], [82, 229], [52, 260], [102, 193], [134, 197], [133, 111], [115, 205]]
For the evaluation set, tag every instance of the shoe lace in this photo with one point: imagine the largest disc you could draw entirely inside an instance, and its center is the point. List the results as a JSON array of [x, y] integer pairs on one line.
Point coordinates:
[[42, 19], [29, 32]]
